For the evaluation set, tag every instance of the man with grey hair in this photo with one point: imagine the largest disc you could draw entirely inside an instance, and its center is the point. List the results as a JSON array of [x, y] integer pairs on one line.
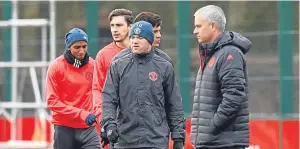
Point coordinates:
[[220, 115]]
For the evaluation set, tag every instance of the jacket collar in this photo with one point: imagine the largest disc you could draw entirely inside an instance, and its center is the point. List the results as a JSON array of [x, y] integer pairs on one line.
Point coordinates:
[[143, 57], [210, 48], [75, 62]]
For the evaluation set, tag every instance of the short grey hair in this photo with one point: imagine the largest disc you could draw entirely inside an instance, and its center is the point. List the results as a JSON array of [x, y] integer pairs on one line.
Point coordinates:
[[213, 13]]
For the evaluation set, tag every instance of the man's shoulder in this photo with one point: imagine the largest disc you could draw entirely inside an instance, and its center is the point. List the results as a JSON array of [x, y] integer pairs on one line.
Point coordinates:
[[56, 64], [228, 55], [123, 57], [57, 61], [161, 61], [162, 57], [230, 49], [91, 61], [162, 54], [122, 54], [107, 48]]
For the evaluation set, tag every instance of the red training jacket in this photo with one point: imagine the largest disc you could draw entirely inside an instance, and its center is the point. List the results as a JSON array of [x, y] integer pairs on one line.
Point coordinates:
[[102, 63], [68, 92]]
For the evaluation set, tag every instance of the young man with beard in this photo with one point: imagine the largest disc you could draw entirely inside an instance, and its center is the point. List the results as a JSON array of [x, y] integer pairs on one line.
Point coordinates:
[[69, 95], [120, 23]]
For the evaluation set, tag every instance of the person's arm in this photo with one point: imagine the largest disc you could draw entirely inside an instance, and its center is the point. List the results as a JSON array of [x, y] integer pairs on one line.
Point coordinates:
[[174, 108], [233, 86], [52, 96], [110, 96], [99, 76]]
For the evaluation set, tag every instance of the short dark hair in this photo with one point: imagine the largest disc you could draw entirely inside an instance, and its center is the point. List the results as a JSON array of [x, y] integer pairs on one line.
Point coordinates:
[[154, 19], [122, 12]]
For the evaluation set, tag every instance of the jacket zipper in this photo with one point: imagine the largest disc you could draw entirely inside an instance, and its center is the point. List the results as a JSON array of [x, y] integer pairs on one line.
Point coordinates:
[[202, 70]]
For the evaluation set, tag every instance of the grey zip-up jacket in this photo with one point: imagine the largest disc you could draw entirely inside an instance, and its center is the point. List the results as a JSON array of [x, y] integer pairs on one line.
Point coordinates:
[[220, 115], [141, 96]]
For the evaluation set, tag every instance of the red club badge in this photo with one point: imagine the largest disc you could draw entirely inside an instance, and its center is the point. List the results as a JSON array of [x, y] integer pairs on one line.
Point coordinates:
[[153, 76]]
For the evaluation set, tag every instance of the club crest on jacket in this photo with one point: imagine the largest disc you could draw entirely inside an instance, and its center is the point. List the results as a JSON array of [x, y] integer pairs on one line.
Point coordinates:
[[89, 76], [211, 61], [153, 76]]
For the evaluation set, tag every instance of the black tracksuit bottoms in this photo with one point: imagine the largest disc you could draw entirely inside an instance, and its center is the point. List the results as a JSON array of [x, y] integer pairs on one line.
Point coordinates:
[[76, 138]]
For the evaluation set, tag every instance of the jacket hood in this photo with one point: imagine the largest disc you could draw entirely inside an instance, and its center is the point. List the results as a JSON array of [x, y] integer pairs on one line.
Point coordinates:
[[228, 38], [236, 39]]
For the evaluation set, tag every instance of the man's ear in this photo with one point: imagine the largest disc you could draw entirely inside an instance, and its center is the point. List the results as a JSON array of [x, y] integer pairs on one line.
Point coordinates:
[[214, 26]]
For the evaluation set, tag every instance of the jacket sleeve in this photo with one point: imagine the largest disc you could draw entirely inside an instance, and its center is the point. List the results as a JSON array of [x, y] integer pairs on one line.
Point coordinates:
[[98, 82], [233, 86], [52, 97], [174, 108], [110, 96]]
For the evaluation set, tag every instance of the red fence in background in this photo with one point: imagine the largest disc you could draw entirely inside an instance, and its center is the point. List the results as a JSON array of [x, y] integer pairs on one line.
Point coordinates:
[[264, 134]]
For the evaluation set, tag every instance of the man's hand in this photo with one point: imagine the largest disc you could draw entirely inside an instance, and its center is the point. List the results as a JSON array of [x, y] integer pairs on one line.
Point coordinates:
[[90, 119], [112, 133], [103, 136], [178, 144], [104, 141]]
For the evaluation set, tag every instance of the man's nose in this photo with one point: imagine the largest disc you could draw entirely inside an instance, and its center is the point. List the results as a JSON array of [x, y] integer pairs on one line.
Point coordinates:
[[113, 29], [158, 35], [195, 32], [81, 50]]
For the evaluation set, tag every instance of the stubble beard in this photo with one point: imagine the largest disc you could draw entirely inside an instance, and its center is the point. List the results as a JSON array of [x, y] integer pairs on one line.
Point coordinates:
[[123, 39]]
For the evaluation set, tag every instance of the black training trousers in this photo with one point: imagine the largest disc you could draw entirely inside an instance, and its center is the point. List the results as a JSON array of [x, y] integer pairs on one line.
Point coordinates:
[[76, 138]]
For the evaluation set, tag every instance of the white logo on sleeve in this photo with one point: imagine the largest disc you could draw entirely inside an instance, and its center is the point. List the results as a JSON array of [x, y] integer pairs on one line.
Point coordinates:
[[109, 132]]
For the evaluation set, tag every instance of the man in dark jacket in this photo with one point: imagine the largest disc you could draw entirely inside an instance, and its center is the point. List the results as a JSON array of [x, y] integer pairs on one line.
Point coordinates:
[[141, 101], [220, 115]]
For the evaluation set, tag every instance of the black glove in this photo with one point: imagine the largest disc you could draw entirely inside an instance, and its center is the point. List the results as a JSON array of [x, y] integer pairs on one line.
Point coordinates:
[[90, 119], [103, 136], [178, 144], [104, 141], [112, 133]]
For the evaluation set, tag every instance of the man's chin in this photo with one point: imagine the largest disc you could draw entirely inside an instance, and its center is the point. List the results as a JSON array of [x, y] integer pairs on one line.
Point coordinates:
[[80, 58], [200, 41], [118, 40], [136, 51], [155, 44]]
